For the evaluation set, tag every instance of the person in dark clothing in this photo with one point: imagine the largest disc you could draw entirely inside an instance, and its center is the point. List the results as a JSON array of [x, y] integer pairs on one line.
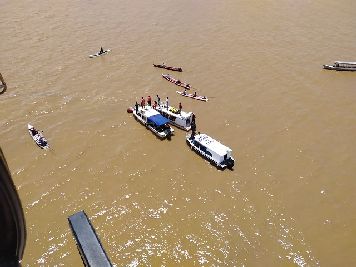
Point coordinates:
[[193, 118], [193, 127], [149, 100], [33, 131], [180, 108], [136, 107], [143, 102], [158, 100], [101, 51]]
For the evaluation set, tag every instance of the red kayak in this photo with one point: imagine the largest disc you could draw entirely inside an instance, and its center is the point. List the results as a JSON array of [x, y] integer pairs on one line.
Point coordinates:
[[176, 82], [162, 66], [197, 97]]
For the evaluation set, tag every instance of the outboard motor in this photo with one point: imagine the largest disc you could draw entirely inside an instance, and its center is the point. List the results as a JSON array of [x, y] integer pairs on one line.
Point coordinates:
[[230, 163]]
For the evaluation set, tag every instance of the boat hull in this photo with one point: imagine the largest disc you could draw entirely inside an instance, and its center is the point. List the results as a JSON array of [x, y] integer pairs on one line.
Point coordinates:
[[175, 81], [39, 139], [220, 166], [200, 98], [331, 67], [168, 68], [161, 135]]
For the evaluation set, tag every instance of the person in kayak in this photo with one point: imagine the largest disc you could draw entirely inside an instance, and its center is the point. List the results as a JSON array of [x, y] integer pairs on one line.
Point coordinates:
[[101, 51], [195, 94], [33, 131]]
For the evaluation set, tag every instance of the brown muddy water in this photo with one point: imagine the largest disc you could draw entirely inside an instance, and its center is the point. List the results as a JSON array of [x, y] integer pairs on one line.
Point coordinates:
[[290, 200]]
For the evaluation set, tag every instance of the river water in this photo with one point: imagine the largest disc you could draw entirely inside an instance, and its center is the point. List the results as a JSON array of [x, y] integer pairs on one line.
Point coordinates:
[[290, 201]]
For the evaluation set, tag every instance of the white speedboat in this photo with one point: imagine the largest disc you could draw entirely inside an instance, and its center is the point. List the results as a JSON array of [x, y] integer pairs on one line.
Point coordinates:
[[153, 120], [341, 66], [212, 150], [181, 119]]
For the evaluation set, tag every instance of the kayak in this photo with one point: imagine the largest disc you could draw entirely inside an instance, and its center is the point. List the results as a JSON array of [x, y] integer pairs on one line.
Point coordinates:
[[176, 82], [162, 66], [201, 98], [99, 55], [38, 137]]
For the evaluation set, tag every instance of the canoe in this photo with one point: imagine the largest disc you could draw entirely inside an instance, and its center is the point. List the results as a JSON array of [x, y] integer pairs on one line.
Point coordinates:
[[176, 81], [201, 98], [99, 55], [38, 137], [162, 66]]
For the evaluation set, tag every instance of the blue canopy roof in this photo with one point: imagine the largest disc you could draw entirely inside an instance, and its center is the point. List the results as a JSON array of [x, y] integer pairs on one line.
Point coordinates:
[[158, 119]]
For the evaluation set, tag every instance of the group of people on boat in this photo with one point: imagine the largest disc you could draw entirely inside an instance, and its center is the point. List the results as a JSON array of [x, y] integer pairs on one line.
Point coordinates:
[[156, 103], [41, 140], [163, 66]]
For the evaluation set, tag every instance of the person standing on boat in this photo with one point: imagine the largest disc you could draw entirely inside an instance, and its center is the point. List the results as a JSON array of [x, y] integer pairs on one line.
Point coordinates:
[[193, 128], [154, 105], [136, 107], [180, 107], [158, 101], [193, 118], [101, 51], [167, 102], [143, 102], [149, 100]]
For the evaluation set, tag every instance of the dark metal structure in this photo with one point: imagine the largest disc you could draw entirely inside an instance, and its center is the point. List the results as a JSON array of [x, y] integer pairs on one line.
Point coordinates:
[[88, 243], [12, 221]]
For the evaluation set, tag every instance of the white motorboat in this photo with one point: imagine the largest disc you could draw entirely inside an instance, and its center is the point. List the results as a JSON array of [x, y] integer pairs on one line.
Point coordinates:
[[153, 120], [212, 150], [180, 119], [341, 66]]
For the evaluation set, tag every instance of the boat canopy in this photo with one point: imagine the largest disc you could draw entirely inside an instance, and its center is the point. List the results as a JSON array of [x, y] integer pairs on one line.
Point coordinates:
[[158, 119], [213, 145], [345, 62]]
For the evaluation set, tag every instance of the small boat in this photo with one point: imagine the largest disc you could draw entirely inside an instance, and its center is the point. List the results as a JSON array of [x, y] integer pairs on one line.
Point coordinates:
[[176, 82], [181, 119], [197, 97], [341, 66], [162, 66], [153, 120], [212, 150], [100, 54], [38, 137]]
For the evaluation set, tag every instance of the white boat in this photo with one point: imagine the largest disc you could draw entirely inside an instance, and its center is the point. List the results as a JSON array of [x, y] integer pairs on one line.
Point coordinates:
[[38, 137], [100, 54], [181, 119], [194, 96], [212, 150], [342, 66], [153, 120]]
